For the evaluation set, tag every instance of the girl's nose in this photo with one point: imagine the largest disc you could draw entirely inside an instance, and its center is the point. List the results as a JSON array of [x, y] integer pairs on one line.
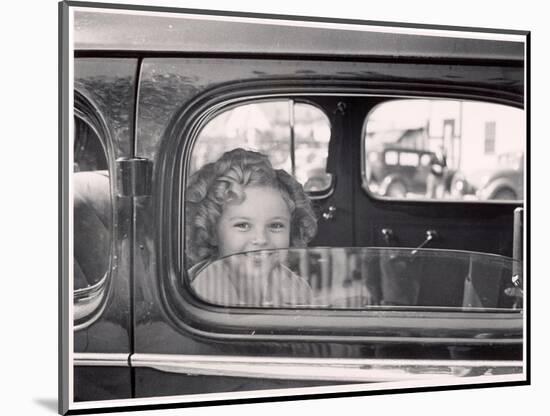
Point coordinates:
[[260, 237]]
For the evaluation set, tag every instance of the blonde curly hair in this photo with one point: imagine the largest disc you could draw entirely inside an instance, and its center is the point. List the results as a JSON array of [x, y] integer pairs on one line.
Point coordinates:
[[217, 183]]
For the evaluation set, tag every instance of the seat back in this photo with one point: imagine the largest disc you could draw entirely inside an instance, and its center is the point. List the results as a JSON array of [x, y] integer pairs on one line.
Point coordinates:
[[92, 213]]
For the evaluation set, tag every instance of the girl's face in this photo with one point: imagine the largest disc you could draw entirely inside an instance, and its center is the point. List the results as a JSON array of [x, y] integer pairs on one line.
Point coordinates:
[[260, 222]]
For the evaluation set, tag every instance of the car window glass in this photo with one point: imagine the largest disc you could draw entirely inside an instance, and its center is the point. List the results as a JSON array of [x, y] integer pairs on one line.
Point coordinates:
[[391, 157], [294, 135], [467, 150], [92, 208], [408, 159], [356, 277], [311, 137]]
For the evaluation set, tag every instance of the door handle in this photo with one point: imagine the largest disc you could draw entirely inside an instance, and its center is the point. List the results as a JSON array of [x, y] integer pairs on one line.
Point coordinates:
[[329, 213], [389, 238], [387, 233], [430, 236]]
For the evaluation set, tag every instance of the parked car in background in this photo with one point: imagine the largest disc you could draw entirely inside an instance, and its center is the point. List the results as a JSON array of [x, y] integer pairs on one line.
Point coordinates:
[[505, 182], [398, 172]]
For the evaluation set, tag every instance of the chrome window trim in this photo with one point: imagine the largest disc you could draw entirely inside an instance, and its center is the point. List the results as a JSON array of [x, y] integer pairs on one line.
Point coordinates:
[[331, 369], [101, 359], [89, 300]]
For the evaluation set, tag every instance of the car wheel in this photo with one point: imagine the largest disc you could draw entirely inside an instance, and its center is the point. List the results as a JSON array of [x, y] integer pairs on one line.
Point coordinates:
[[505, 194], [396, 190], [458, 186]]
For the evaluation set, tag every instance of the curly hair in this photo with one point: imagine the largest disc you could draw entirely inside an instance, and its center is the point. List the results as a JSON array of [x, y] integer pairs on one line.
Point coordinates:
[[217, 183]]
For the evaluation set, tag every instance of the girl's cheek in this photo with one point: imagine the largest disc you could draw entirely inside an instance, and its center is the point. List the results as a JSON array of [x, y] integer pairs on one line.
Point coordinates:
[[283, 240]]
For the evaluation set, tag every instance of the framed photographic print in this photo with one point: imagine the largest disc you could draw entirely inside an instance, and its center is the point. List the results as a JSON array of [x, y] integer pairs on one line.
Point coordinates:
[[263, 207]]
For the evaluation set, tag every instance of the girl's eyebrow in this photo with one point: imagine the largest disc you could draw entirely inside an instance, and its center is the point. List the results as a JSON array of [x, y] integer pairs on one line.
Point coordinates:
[[238, 217]]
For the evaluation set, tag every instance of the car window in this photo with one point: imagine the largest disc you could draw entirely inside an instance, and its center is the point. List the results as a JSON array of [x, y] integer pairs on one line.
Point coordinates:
[[294, 135], [391, 158], [227, 265], [361, 278], [92, 209], [441, 149], [408, 159]]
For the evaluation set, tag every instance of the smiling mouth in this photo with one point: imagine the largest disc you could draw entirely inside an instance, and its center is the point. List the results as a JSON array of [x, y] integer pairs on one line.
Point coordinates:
[[259, 258]]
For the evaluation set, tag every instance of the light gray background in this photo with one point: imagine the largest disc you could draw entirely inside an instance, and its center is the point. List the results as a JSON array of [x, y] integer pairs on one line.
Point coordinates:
[[29, 209]]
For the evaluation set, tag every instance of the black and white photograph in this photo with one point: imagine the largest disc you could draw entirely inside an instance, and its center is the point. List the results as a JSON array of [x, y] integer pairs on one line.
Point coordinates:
[[261, 207], [290, 207]]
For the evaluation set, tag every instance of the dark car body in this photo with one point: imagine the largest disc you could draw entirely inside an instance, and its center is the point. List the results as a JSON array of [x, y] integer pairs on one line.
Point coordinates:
[[144, 88]]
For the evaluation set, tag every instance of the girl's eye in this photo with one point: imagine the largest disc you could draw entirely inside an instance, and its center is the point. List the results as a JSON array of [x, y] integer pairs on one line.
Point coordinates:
[[277, 226], [243, 226]]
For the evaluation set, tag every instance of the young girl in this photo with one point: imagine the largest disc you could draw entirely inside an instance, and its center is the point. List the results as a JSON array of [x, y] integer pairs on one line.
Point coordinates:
[[240, 204]]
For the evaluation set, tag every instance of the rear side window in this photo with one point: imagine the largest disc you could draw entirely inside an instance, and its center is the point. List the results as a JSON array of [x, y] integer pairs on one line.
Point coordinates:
[[92, 212], [439, 149]]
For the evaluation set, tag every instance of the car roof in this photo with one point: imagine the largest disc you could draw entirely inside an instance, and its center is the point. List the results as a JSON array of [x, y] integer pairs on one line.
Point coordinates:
[[108, 29]]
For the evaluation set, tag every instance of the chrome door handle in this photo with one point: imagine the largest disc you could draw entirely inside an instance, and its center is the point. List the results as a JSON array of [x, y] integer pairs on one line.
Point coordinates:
[[430, 236], [329, 213], [388, 235]]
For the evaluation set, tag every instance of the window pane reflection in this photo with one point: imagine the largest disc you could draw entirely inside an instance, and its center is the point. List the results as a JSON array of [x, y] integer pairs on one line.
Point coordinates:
[[362, 278]]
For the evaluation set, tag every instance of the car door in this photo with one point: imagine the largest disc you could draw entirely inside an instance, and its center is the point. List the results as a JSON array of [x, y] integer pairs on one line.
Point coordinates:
[[186, 345], [166, 108], [102, 213]]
